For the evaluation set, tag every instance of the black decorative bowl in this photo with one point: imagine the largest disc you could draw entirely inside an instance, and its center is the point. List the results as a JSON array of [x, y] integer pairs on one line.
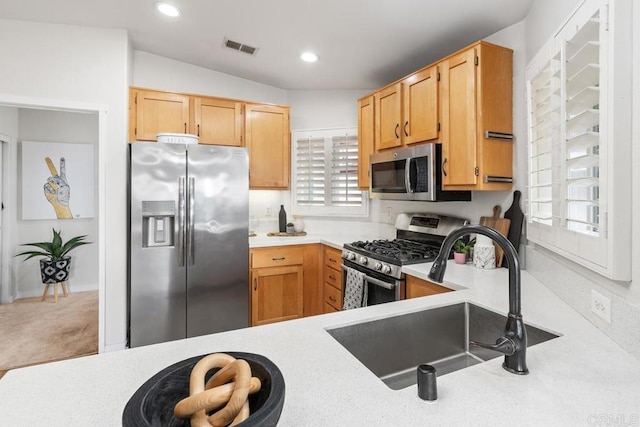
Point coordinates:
[[152, 404]]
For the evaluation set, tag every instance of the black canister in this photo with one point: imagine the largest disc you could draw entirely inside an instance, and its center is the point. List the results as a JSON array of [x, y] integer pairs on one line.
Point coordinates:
[[282, 220], [427, 387]]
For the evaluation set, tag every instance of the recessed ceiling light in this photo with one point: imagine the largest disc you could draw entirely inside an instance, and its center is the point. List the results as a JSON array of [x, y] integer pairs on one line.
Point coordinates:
[[309, 57], [168, 9]]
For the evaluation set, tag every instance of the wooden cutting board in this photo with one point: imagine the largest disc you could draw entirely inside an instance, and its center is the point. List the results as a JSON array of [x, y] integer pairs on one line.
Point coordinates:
[[501, 225]]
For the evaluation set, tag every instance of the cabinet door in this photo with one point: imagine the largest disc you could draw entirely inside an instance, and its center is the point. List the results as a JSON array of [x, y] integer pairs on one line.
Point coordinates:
[[366, 130], [277, 294], [458, 111], [160, 112], [268, 140], [388, 114], [420, 288], [217, 121], [420, 106]]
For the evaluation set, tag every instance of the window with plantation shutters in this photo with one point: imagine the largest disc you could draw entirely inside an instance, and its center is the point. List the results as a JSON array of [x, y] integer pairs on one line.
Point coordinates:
[[325, 173], [578, 129]]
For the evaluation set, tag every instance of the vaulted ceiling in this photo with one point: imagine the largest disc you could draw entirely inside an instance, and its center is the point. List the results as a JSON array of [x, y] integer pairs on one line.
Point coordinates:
[[362, 44]]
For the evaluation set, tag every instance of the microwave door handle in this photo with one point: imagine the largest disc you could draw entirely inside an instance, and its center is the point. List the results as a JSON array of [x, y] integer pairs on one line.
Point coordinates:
[[407, 177]]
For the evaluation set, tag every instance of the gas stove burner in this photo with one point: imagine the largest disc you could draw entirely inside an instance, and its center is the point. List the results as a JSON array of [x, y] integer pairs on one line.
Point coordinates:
[[399, 249]]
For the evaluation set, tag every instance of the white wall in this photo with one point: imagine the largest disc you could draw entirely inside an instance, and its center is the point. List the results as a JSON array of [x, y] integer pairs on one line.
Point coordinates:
[[56, 126], [8, 132], [69, 65], [157, 72]]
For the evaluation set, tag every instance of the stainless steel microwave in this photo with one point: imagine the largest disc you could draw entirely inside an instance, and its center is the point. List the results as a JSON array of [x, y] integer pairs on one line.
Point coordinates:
[[412, 173]]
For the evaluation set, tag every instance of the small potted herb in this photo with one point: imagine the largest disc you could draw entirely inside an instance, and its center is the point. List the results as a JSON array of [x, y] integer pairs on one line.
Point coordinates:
[[290, 228], [461, 249]]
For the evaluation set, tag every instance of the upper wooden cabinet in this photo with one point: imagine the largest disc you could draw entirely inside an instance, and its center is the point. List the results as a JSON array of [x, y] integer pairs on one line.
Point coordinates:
[[420, 106], [407, 111], [365, 139], [264, 129], [463, 101], [158, 112], [388, 116], [476, 118], [267, 137], [217, 121]]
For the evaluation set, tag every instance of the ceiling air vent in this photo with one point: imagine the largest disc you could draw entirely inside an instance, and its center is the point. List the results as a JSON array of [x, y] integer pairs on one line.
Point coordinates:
[[240, 47]]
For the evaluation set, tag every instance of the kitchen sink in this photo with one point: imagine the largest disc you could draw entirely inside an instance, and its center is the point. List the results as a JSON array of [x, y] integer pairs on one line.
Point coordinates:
[[393, 347]]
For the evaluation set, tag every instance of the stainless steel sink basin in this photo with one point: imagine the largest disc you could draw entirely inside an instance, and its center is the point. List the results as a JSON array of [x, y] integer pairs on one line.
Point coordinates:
[[393, 347]]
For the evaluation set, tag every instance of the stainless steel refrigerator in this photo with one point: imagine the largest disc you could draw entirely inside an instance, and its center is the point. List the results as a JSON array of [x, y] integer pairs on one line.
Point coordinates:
[[188, 241]]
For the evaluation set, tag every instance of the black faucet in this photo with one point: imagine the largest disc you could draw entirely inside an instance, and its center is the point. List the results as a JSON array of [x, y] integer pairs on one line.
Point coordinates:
[[513, 343]]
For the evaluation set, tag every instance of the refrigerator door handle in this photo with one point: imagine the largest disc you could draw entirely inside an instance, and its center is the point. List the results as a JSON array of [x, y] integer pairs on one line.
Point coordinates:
[[190, 231], [181, 224]]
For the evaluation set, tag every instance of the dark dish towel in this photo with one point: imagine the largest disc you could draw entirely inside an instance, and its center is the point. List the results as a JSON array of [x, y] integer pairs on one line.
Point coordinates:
[[355, 291]]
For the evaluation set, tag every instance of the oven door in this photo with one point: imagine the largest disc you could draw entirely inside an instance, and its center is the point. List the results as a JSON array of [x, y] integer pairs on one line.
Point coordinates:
[[380, 288]]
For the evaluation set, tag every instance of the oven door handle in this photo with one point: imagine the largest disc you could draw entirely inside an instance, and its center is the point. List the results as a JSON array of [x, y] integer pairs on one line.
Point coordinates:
[[377, 282]]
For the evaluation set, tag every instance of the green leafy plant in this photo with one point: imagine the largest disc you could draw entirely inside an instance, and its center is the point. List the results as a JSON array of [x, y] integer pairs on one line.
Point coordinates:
[[461, 247], [55, 249]]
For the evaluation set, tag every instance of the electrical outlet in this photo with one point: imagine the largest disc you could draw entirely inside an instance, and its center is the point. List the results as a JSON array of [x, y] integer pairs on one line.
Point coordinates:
[[267, 210], [389, 212], [601, 306]]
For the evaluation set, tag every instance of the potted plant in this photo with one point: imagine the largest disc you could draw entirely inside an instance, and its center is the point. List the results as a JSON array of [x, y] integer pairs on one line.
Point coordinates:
[[55, 268], [290, 228], [461, 249]]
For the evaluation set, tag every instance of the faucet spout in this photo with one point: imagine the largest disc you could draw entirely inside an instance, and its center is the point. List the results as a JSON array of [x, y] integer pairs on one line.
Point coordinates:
[[513, 343]]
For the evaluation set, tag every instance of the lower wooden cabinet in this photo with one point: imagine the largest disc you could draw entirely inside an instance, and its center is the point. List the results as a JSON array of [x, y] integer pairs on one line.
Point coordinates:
[[285, 283], [420, 288], [277, 294]]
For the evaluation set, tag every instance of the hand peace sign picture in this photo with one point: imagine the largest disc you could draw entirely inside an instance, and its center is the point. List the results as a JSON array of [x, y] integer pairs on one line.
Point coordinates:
[[57, 180]]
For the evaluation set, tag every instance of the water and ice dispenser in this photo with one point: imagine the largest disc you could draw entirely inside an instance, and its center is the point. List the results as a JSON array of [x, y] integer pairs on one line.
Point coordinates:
[[158, 221]]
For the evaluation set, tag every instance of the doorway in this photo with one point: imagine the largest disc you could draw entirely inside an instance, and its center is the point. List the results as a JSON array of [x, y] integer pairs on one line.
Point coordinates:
[[14, 273]]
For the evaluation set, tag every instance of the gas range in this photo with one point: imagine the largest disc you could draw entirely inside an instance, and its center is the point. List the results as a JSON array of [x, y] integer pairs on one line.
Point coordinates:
[[418, 239]]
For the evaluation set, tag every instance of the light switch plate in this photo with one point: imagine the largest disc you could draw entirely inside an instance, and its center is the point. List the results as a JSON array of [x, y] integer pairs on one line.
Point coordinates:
[[601, 306]]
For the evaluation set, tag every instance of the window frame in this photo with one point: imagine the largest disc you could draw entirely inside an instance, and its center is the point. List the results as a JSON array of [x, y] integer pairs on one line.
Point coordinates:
[[328, 134], [608, 253]]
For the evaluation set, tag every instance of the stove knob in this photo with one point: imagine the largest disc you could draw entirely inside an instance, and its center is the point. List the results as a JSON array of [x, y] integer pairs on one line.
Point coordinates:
[[351, 256], [378, 266], [363, 260], [386, 269]]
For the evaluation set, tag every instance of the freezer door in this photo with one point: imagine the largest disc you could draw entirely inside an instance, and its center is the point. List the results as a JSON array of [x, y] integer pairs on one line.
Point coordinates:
[[218, 242], [157, 281]]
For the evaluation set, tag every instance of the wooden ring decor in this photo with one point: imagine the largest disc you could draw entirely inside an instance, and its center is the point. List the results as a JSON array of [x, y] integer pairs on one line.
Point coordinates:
[[224, 395]]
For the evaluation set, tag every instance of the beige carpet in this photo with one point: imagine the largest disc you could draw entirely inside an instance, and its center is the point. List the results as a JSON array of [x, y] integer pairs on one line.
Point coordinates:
[[34, 331]]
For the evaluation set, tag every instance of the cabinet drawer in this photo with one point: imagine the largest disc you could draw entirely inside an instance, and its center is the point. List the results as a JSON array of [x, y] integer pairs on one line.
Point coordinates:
[[328, 308], [333, 277], [332, 296], [333, 257], [275, 257]]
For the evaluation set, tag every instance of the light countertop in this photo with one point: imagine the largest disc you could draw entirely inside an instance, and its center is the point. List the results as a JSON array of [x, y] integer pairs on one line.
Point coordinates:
[[575, 379]]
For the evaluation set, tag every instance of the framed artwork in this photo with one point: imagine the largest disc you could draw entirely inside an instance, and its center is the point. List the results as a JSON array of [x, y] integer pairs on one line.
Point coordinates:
[[57, 180]]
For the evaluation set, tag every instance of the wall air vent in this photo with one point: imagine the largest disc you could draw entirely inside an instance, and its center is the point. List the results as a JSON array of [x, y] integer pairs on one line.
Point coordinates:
[[240, 47]]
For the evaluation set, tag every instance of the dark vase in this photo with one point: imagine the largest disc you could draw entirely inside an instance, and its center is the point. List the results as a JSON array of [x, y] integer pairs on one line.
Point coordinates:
[[56, 270]]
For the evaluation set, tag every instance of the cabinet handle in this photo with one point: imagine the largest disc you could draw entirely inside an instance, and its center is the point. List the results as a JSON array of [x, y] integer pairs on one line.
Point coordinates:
[[332, 260], [405, 128], [332, 278], [332, 299], [255, 284], [185, 127], [396, 130], [444, 169], [198, 129], [278, 259]]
